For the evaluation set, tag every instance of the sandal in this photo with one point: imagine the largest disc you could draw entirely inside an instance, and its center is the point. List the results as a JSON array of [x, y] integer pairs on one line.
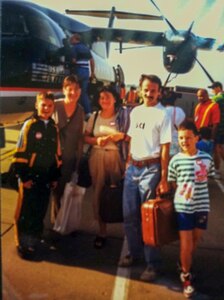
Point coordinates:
[[99, 242]]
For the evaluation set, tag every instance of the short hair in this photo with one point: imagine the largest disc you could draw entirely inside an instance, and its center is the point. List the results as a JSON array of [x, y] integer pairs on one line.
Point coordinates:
[[188, 125], [71, 79], [76, 36], [45, 95], [152, 78], [204, 91], [205, 133]]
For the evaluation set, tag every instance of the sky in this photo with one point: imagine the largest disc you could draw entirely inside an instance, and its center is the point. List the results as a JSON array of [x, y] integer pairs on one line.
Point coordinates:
[[207, 14]]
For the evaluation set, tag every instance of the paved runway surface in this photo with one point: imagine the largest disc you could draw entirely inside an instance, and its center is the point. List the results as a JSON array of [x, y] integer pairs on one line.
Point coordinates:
[[73, 269]]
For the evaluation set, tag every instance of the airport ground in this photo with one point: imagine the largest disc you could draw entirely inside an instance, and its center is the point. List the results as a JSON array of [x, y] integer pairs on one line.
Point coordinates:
[[73, 269]]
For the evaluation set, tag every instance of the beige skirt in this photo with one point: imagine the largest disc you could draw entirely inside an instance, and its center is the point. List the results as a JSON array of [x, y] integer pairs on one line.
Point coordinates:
[[105, 165]]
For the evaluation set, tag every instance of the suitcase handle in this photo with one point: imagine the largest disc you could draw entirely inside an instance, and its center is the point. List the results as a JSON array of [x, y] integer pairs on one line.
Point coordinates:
[[168, 195]]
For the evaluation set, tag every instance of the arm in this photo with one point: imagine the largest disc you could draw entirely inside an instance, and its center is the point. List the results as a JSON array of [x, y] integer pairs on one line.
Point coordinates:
[[93, 140], [163, 186], [215, 119], [21, 157], [214, 131], [92, 68]]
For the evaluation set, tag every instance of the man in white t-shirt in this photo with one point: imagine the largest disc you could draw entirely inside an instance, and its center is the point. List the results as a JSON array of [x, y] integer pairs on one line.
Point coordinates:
[[146, 174]]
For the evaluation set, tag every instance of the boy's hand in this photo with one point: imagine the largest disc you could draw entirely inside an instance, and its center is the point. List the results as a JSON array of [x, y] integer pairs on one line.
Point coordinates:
[[54, 185], [28, 184]]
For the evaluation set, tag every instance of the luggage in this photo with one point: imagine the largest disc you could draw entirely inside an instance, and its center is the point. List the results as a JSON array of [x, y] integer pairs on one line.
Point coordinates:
[[158, 222], [111, 209]]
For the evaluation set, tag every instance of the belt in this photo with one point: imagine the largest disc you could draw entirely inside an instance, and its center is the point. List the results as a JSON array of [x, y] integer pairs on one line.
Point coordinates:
[[145, 162]]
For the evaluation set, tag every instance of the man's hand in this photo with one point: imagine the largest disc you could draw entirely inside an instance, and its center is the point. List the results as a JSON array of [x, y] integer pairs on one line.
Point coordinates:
[[162, 188]]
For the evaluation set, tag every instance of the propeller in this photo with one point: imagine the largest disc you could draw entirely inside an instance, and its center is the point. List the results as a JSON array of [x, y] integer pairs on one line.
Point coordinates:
[[177, 36], [174, 30]]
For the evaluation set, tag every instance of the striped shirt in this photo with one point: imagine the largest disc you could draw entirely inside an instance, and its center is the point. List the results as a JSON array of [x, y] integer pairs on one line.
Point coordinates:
[[191, 176]]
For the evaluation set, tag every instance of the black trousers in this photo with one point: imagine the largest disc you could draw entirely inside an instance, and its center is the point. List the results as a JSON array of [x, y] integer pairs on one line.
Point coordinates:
[[31, 210]]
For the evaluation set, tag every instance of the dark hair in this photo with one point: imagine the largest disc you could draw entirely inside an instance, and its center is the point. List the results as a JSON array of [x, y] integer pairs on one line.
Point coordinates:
[[45, 95], [71, 79], [205, 133], [110, 89], [188, 125], [152, 78]]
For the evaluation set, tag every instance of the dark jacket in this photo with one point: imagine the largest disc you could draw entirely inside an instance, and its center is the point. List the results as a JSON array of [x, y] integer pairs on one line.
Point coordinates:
[[38, 153]]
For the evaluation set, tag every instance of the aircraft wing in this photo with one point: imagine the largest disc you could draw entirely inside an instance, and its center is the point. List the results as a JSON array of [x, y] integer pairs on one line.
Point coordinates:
[[149, 38], [116, 13]]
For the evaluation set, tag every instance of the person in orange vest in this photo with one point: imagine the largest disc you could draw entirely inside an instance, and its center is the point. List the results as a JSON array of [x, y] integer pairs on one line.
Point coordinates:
[[218, 98], [206, 113]]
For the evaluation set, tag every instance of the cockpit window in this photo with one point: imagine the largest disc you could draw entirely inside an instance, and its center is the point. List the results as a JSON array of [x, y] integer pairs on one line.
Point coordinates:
[[30, 22], [14, 24], [42, 28]]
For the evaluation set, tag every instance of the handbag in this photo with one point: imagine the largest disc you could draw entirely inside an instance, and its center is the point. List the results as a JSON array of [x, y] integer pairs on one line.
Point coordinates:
[[69, 215], [84, 177], [111, 203], [159, 225]]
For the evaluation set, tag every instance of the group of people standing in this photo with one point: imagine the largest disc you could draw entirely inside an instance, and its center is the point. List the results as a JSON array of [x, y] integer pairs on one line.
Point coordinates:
[[152, 168]]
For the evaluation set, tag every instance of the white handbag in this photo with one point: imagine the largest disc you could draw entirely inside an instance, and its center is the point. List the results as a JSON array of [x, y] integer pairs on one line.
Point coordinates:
[[70, 212]]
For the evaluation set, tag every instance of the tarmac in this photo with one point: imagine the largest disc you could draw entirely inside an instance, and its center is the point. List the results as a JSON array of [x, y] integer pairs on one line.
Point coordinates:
[[73, 269]]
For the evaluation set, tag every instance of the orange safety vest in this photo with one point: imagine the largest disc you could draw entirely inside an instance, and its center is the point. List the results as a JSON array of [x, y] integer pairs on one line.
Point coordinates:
[[205, 113]]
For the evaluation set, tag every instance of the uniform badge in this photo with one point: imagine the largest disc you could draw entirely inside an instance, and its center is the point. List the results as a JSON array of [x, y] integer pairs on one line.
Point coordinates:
[[38, 135]]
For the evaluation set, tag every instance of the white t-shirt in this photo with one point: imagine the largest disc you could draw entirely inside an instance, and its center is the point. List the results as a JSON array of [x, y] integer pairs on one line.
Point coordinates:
[[149, 128]]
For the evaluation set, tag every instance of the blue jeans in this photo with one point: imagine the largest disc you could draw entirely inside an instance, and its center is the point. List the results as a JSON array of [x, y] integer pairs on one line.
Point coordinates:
[[139, 185], [83, 75]]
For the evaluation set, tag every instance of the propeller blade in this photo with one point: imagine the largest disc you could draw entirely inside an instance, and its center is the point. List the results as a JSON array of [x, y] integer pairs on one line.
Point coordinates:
[[205, 71], [190, 28], [165, 19]]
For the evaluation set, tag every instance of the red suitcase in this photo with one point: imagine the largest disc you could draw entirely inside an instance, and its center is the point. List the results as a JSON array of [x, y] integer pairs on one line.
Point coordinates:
[[158, 222]]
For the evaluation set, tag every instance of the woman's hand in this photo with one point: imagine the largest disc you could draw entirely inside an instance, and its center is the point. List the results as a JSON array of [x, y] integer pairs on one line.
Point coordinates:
[[102, 141], [117, 136]]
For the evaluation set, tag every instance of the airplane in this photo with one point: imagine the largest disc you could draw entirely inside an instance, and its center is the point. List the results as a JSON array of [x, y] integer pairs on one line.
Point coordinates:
[[33, 48], [180, 47]]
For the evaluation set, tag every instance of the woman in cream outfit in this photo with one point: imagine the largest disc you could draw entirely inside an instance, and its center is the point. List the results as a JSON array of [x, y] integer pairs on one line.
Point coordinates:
[[105, 160]]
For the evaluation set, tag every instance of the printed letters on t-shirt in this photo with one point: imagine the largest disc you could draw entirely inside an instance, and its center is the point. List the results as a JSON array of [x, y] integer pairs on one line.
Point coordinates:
[[140, 125]]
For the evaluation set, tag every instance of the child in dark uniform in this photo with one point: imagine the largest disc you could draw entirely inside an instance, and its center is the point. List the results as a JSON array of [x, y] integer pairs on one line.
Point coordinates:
[[205, 143], [37, 163]]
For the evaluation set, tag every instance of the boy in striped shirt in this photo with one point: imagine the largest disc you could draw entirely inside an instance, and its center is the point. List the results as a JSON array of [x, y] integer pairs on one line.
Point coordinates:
[[188, 175]]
